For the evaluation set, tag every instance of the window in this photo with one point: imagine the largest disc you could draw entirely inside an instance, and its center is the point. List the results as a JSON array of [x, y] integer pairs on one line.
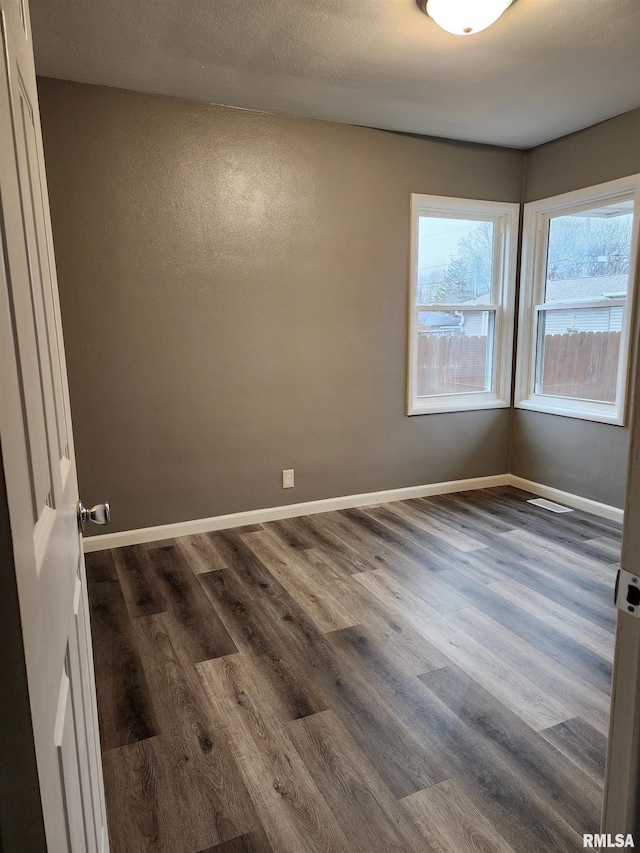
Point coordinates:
[[463, 264], [578, 269]]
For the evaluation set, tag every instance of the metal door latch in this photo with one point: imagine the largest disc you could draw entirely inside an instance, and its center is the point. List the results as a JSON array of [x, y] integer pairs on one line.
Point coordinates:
[[627, 594]]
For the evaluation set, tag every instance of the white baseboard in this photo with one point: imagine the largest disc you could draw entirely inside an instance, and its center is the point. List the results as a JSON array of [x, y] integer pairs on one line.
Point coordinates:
[[257, 516], [613, 513]]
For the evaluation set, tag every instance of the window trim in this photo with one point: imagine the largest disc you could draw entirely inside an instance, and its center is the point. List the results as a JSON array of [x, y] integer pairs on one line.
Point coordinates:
[[535, 237], [506, 217]]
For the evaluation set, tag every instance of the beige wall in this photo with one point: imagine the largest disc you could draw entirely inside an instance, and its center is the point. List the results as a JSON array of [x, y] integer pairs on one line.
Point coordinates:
[[600, 153], [586, 458], [233, 292]]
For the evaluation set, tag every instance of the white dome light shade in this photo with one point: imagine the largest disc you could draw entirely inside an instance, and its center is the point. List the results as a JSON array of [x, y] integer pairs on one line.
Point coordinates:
[[466, 17]]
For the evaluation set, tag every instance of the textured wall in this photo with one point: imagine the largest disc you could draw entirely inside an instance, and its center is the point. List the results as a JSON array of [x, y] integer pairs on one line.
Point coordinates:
[[234, 299], [600, 153], [586, 458]]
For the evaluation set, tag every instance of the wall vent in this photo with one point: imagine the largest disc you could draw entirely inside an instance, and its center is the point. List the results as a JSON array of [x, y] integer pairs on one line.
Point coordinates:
[[550, 505]]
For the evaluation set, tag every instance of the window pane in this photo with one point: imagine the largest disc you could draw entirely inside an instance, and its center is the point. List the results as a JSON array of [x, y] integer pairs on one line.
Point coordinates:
[[578, 353], [455, 261], [589, 253], [455, 357]]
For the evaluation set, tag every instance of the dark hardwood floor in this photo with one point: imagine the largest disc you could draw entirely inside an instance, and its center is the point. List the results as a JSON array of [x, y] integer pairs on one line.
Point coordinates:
[[428, 676]]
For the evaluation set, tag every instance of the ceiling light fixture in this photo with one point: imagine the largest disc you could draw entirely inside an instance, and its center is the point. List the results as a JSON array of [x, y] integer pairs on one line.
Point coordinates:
[[464, 17]]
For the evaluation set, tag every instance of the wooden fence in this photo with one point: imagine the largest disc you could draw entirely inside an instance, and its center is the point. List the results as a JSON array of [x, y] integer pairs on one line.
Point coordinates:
[[451, 365], [583, 365]]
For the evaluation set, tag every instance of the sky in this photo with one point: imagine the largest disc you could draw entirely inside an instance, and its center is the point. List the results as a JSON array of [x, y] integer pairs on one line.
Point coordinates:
[[438, 239]]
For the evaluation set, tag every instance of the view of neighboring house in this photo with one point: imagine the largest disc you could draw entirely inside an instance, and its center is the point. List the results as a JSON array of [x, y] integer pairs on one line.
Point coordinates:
[[587, 273]]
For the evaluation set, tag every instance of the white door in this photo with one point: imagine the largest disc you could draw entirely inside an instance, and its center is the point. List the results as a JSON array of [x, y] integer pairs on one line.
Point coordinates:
[[621, 812], [39, 464]]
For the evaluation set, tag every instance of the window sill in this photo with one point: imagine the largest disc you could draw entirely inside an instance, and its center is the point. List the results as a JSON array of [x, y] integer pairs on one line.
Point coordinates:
[[441, 407], [598, 416]]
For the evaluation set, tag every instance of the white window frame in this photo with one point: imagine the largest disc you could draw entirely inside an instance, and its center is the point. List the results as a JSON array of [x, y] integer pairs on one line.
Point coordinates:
[[505, 216], [532, 290]]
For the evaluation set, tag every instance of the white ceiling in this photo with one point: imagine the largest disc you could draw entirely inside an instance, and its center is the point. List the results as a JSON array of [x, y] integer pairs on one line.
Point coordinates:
[[546, 68]]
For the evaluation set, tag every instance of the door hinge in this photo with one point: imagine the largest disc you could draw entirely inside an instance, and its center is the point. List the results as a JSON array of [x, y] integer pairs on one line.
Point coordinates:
[[627, 593]]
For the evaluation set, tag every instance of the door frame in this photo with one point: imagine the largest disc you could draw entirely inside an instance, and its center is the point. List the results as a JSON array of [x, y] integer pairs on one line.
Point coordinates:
[[21, 820], [621, 807]]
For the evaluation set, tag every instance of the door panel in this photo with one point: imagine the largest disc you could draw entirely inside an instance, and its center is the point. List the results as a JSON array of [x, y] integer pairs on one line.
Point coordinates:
[[65, 740], [78, 681], [22, 309], [40, 253], [91, 710], [39, 466]]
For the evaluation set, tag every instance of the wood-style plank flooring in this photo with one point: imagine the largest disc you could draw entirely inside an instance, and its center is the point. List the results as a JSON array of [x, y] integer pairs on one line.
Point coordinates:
[[427, 676]]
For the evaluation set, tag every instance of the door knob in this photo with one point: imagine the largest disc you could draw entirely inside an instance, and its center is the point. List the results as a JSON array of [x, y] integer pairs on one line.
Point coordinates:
[[99, 514]]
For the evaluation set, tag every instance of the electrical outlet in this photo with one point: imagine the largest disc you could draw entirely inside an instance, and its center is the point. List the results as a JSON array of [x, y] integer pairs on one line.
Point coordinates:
[[287, 479]]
